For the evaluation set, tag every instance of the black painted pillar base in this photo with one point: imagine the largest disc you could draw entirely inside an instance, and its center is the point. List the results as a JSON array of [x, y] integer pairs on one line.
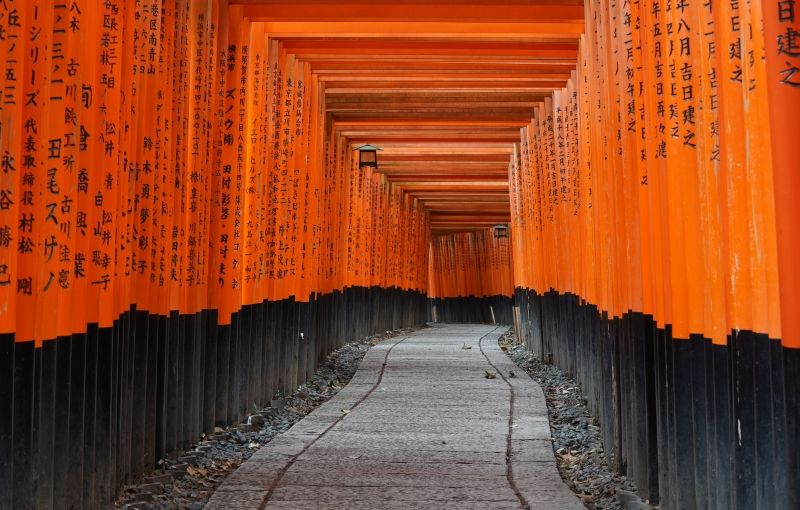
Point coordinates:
[[83, 415], [692, 423]]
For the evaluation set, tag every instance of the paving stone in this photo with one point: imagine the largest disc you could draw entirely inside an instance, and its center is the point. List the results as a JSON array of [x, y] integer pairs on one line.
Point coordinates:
[[532, 450], [235, 498], [382, 493], [431, 469], [394, 455], [351, 504], [335, 477], [433, 434], [439, 427]]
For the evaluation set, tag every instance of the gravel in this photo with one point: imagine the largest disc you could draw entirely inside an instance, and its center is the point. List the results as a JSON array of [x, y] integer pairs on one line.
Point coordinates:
[[577, 442], [189, 482]]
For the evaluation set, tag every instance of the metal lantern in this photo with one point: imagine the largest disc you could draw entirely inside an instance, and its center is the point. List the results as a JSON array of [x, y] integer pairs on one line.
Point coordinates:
[[368, 156], [500, 231]]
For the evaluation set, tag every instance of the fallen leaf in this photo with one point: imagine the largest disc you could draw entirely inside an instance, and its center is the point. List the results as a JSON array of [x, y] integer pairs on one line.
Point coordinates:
[[196, 471], [490, 375], [504, 348], [570, 459]]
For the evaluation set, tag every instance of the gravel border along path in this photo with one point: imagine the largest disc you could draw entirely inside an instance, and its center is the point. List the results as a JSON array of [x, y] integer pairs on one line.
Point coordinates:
[[577, 443], [189, 482]]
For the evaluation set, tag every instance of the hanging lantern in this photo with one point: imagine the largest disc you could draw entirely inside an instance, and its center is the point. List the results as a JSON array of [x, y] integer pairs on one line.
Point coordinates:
[[500, 231], [368, 156]]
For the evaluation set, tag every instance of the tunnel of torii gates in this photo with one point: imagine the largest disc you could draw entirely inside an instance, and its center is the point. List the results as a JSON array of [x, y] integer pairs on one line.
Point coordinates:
[[185, 229]]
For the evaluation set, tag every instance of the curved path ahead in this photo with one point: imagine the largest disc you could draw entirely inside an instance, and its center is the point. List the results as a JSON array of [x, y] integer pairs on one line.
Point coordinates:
[[419, 426]]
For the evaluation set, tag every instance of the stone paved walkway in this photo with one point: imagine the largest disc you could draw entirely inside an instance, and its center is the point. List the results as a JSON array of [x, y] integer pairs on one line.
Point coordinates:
[[419, 426]]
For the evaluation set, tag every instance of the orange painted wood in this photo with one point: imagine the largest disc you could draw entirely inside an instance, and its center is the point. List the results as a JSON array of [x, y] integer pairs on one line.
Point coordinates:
[[665, 209], [209, 163], [783, 85]]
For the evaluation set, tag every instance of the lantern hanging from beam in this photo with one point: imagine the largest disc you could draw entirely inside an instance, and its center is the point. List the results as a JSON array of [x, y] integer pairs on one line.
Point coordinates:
[[500, 231], [368, 156]]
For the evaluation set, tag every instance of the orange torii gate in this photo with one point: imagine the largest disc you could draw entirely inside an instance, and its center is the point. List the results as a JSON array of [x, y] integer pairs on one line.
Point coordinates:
[[470, 277], [652, 172], [171, 194]]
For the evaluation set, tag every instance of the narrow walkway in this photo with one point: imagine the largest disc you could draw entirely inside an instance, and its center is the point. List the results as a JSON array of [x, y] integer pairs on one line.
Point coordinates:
[[419, 426]]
